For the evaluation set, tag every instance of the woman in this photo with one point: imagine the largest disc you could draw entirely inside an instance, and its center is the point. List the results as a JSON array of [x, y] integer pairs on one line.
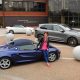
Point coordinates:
[[44, 44]]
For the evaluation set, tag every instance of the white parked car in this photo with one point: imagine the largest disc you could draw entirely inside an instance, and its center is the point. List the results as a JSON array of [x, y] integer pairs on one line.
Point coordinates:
[[18, 29]]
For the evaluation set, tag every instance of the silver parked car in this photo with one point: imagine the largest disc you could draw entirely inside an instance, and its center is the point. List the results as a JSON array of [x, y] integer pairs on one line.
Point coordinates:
[[59, 33]]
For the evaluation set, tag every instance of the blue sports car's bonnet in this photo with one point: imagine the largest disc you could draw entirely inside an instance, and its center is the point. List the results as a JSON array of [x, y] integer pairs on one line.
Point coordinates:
[[24, 50]]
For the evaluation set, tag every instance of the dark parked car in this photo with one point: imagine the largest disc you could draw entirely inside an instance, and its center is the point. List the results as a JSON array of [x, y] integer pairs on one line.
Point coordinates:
[[24, 50], [59, 33]]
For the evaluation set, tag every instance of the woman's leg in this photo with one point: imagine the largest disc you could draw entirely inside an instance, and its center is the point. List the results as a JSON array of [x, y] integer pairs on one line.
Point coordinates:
[[45, 52], [45, 55]]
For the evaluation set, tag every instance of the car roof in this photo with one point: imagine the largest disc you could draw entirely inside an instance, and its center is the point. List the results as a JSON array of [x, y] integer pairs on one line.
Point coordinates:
[[50, 24], [17, 25], [20, 42]]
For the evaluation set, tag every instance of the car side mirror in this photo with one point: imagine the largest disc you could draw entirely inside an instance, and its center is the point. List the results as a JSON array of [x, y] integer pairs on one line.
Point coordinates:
[[62, 31]]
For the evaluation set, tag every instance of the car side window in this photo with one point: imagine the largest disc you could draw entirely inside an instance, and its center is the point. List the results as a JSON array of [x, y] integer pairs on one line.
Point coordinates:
[[48, 27], [43, 27], [57, 28], [27, 47]]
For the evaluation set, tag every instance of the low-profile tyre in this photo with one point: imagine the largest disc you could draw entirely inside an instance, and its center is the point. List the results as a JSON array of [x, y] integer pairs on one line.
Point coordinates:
[[52, 57], [72, 42], [5, 63], [11, 31]]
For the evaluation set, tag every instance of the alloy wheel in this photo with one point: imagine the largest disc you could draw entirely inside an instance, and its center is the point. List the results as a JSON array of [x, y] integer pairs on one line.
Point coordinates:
[[5, 63], [72, 42], [52, 57]]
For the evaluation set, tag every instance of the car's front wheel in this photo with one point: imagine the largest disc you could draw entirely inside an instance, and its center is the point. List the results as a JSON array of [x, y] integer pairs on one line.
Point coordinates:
[[5, 63], [72, 41], [52, 57]]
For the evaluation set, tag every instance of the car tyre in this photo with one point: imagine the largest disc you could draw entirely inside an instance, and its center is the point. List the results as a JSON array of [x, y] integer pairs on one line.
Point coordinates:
[[52, 57], [72, 42], [11, 31], [5, 63]]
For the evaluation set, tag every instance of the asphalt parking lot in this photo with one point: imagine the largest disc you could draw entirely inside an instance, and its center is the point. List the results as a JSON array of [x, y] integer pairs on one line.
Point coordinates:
[[66, 68]]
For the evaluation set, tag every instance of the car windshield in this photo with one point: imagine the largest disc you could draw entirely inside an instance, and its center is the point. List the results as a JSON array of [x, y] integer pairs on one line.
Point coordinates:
[[10, 45], [66, 27], [18, 26], [13, 44], [27, 47]]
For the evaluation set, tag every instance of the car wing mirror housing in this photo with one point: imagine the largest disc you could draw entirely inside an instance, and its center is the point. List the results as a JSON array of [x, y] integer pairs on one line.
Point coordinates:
[[62, 31]]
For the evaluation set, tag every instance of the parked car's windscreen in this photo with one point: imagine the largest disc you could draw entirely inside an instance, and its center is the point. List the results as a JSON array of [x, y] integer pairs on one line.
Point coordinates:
[[19, 26], [66, 27], [57, 28]]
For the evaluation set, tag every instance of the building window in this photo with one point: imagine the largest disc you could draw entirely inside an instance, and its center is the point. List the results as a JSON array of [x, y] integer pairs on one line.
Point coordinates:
[[25, 6], [65, 11], [17, 6], [1, 5], [39, 6]]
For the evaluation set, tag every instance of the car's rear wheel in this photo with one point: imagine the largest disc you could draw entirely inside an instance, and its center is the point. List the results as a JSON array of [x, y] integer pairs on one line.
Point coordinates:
[[11, 31], [72, 41], [5, 63], [52, 57]]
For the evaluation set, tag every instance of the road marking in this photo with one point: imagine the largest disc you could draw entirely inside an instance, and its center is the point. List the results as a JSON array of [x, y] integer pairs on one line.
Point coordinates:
[[67, 58], [61, 46], [2, 35], [64, 46], [10, 77]]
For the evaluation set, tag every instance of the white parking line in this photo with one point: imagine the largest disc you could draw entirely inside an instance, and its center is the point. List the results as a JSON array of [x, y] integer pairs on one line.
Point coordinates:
[[10, 77], [61, 46], [2, 35], [63, 58], [64, 46]]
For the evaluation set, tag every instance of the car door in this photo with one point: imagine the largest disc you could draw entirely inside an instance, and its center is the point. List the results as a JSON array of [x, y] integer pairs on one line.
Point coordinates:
[[28, 53], [15, 28], [58, 33], [20, 29], [52, 32]]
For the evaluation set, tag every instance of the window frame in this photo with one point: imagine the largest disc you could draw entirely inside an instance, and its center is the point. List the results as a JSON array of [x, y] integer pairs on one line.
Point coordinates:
[[22, 7]]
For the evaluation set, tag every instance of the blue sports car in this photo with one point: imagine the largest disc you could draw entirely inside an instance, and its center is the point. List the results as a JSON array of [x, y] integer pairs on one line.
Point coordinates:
[[24, 50]]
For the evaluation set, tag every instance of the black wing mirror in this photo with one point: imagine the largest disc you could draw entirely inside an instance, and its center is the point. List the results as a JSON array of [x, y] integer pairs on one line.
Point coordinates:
[[62, 31]]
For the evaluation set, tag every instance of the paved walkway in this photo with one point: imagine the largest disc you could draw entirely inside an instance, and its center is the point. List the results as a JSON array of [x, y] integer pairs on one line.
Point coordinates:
[[2, 31]]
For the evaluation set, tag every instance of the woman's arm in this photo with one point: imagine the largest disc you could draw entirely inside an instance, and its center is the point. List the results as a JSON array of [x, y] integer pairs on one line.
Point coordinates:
[[40, 42]]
